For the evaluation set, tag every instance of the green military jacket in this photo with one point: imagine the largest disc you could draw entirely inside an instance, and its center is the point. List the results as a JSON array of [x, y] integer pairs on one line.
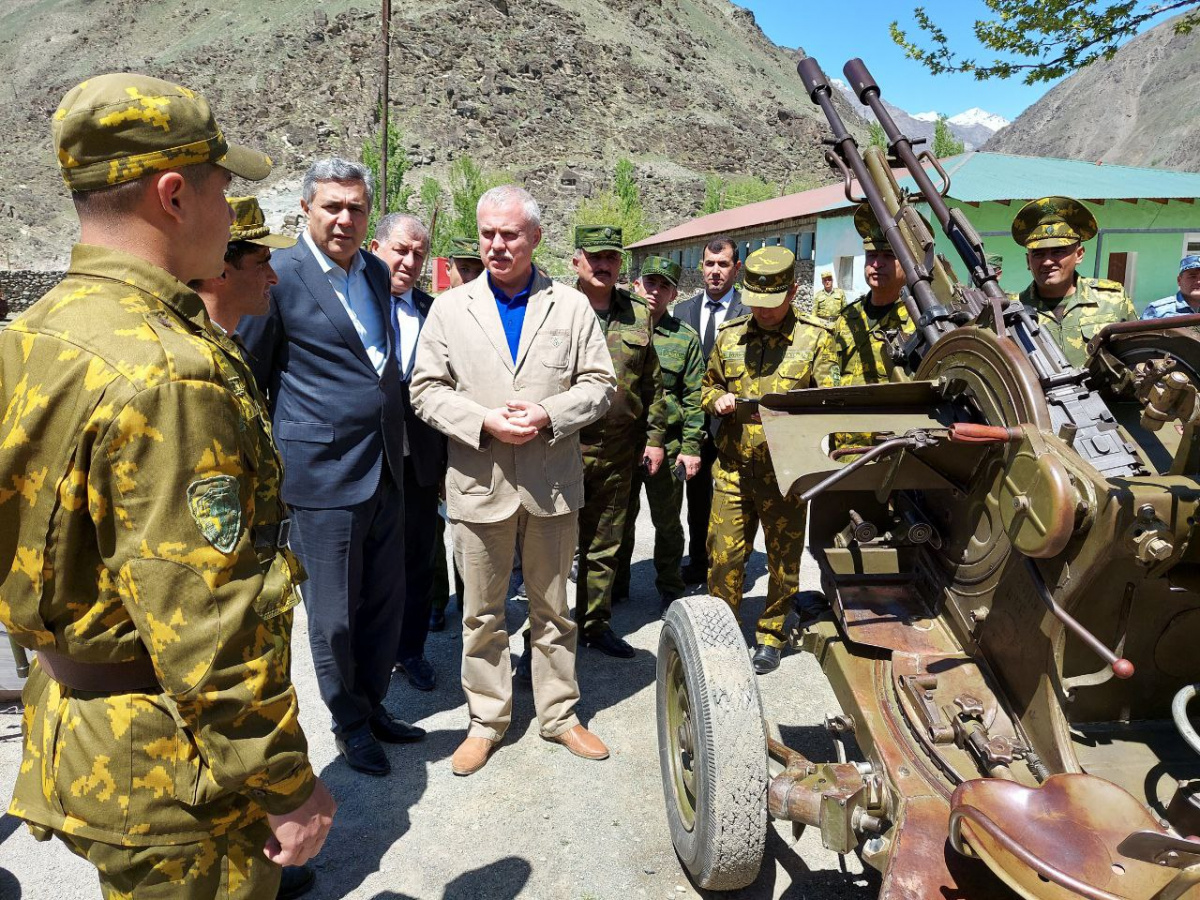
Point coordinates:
[[682, 363], [638, 415], [853, 353], [1096, 302], [136, 463], [828, 305], [749, 361]]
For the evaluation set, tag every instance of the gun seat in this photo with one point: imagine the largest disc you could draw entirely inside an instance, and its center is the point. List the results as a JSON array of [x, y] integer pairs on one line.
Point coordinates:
[[1059, 840]]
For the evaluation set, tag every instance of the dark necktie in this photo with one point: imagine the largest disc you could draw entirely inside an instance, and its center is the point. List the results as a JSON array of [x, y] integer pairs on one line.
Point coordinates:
[[710, 328]]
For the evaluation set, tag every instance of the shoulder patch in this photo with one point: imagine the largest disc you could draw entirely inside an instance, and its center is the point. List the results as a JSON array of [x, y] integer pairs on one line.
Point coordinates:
[[216, 508], [739, 320]]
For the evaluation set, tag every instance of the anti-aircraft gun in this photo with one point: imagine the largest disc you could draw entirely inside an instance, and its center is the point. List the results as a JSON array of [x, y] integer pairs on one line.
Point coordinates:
[[1014, 585]]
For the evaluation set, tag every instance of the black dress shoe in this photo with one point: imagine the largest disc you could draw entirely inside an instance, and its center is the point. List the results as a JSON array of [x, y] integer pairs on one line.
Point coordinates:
[[363, 753], [608, 643], [437, 620], [420, 673], [523, 669], [766, 659], [296, 882], [694, 574], [391, 730]]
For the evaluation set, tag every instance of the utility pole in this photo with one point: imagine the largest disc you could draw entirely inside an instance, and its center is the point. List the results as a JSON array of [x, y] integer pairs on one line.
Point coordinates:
[[386, 17]]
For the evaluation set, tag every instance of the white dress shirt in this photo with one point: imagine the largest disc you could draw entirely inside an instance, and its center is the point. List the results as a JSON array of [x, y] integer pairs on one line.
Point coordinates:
[[408, 328], [354, 293], [721, 314]]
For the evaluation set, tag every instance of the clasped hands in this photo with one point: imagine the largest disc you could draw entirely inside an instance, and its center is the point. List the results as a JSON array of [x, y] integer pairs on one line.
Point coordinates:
[[517, 422]]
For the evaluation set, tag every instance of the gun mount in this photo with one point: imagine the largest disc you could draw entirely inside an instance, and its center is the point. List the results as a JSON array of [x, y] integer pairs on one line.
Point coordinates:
[[1014, 590]]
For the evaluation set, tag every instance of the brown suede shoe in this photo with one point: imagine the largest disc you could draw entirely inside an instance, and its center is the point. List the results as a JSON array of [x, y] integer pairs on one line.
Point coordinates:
[[471, 755], [582, 742]]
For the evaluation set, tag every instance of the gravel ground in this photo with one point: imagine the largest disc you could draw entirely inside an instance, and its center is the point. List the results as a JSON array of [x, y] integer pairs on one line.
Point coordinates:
[[535, 822]]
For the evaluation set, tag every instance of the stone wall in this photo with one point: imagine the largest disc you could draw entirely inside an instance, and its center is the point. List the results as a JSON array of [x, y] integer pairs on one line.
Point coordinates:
[[19, 288]]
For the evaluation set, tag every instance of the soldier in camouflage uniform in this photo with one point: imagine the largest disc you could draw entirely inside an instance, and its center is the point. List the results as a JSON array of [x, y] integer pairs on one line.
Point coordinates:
[[827, 303], [682, 364], [630, 435], [770, 351], [854, 351], [143, 550], [1072, 308]]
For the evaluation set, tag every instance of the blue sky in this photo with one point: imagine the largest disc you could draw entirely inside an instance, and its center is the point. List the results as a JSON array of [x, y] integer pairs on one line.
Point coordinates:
[[834, 32]]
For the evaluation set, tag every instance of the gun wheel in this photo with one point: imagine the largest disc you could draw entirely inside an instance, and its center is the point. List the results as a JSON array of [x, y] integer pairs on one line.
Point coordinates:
[[711, 744]]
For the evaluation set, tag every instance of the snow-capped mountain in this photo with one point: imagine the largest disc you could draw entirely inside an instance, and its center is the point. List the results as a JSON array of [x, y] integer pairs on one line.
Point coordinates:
[[973, 127]]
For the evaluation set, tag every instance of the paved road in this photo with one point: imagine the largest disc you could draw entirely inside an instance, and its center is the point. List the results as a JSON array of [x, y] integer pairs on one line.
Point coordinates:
[[536, 822]]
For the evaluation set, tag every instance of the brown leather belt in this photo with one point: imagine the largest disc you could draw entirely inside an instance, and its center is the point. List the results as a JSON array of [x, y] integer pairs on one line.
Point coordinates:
[[134, 677]]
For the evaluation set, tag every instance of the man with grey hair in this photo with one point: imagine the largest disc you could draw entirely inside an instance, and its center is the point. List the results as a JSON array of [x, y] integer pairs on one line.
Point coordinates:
[[402, 242], [510, 367], [327, 360]]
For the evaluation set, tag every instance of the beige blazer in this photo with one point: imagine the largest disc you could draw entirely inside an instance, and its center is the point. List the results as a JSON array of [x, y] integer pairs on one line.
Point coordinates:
[[464, 369]]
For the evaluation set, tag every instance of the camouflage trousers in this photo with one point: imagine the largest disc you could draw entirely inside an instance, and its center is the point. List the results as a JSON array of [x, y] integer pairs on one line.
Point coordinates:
[[743, 498], [606, 482], [228, 867], [664, 494]]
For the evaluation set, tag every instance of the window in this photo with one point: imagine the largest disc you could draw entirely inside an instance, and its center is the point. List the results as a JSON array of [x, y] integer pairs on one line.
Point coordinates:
[[1191, 244], [790, 241], [807, 245], [1122, 268], [844, 265]]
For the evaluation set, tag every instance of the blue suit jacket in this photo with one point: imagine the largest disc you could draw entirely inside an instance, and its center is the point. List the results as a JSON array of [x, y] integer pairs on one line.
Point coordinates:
[[337, 422]]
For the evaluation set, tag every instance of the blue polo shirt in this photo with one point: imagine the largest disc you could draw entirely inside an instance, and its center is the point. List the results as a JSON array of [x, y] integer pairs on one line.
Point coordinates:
[[512, 310]]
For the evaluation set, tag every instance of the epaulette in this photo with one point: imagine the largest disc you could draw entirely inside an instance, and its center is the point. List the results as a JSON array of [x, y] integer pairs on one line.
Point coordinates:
[[734, 321], [684, 326], [813, 321], [1105, 285]]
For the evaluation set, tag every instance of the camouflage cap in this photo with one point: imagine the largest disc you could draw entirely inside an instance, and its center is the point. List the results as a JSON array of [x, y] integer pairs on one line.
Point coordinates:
[[664, 268], [1053, 222], [1189, 262], [598, 237], [826, 273], [464, 248], [767, 277], [118, 127], [995, 260], [249, 224], [868, 226]]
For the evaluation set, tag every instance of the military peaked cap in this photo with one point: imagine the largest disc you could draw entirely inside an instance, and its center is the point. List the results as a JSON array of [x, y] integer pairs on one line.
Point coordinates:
[[249, 224], [464, 248], [1053, 222], [118, 127], [768, 275], [664, 268], [868, 226], [598, 237]]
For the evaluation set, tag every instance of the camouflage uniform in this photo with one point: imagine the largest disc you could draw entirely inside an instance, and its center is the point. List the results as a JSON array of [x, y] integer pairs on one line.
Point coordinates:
[[1096, 302], [853, 352], [1064, 222], [612, 448], [679, 356], [140, 511], [827, 305], [749, 361]]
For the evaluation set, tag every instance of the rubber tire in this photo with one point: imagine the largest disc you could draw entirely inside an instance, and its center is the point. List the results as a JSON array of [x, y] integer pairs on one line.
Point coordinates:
[[724, 850]]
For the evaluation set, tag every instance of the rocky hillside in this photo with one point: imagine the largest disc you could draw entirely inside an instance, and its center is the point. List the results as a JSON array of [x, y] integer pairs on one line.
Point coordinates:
[[1140, 108], [552, 91]]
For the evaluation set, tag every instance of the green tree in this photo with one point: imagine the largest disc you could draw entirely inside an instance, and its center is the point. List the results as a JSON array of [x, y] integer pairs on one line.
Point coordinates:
[[878, 138], [468, 181], [1041, 40], [433, 204], [944, 142], [619, 206], [722, 193], [399, 193]]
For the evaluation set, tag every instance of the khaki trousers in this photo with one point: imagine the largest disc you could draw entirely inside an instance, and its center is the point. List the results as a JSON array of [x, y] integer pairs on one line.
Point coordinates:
[[485, 550]]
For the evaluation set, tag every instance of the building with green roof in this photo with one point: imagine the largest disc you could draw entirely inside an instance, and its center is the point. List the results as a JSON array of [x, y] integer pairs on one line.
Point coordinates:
[[1148, 220]]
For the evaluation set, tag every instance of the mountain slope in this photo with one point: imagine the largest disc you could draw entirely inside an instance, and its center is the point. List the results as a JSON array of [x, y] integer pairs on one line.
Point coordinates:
[[1140, 108], [973, 127], [682, 87]]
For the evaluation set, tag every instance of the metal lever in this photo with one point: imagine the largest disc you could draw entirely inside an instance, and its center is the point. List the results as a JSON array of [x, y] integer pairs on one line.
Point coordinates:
[[1121, 667]]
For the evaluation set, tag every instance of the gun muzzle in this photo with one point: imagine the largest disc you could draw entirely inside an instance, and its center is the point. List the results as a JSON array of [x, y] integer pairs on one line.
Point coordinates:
[[860, 79], [812, 76]]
